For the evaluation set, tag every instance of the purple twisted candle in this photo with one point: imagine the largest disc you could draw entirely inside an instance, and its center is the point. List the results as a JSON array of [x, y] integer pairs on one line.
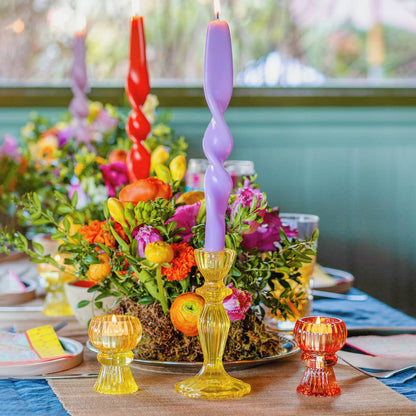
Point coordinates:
[[218, 142], [79, 103]]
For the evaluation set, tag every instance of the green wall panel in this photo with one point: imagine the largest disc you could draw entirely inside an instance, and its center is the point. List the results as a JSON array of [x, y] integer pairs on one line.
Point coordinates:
[[354, 167]]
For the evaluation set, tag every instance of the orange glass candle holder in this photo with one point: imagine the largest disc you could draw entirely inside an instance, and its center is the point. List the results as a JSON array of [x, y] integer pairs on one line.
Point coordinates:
[[115, 336], [319, 338]]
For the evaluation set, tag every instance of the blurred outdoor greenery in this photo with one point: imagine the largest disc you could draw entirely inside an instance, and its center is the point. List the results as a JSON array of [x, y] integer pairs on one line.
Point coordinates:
[[271, 46]]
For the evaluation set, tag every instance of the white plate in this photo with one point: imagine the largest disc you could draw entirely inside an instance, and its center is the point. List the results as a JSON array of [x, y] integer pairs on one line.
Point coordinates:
[[36, 369], [16, 298], [343, 281]]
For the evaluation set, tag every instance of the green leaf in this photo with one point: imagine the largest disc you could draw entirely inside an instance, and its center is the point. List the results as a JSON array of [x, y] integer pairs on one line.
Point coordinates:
[[83, 304], [38, 247], [74, 200]]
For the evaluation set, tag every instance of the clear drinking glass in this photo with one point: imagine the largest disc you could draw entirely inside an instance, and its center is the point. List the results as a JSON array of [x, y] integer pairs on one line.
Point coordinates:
[[197, 168], [305, 224]]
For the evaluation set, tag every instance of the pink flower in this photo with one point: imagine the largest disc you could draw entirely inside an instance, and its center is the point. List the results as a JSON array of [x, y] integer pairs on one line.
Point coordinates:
[[104, 122], [244, 199], [144, 235], [268, 233], [237, 304], [185, 216], [115, 176], [10, 147]]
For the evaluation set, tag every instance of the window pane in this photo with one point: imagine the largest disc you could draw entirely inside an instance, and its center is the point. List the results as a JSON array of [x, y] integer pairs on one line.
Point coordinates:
[[275, 42]]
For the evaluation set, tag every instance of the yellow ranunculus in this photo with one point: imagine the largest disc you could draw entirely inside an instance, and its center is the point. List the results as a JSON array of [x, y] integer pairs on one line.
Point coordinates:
[[159, 252], [178, 168]]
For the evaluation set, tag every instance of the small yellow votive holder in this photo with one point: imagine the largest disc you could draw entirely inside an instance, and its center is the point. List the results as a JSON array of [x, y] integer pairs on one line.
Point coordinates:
[[115, 336]]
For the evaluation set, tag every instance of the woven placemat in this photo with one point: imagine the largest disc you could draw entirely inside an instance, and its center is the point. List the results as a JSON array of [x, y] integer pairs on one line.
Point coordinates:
[[273, 393]]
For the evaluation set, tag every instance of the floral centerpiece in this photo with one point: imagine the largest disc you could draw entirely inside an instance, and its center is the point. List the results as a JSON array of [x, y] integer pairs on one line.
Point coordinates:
[[50, 158], [142, 253]]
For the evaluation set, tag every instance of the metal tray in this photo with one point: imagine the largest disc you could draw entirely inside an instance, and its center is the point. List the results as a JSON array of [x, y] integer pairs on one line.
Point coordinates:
[[289, 348]]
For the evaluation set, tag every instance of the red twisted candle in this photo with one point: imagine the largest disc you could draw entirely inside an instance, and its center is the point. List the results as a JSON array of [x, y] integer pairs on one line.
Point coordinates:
[[137, 89]]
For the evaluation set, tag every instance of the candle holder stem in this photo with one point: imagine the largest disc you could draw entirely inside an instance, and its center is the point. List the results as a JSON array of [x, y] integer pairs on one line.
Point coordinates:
[[115, 374], [319, 377], [212, 381]]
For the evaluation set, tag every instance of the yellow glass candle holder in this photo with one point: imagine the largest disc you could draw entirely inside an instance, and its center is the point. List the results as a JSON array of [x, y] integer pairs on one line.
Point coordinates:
[[212, 381], [115, 336], [319, 338], [56, 303]]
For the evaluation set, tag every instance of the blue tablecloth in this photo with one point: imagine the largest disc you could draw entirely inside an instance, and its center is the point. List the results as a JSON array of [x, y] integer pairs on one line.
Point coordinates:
[[35, 397]]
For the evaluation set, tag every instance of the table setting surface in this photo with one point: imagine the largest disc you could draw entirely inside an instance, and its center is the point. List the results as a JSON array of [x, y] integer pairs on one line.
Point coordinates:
[[273, 385]]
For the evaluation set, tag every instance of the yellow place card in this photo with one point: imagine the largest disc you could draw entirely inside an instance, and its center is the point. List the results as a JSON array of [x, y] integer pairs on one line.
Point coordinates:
[[45, 342]]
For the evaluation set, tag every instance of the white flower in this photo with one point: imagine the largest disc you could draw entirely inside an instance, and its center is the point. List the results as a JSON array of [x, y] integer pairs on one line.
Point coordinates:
[[98, 194]]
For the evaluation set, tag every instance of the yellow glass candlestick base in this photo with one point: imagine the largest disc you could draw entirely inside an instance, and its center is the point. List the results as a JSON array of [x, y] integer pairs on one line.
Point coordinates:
[[115, 336], [212, 382], [115, 375]]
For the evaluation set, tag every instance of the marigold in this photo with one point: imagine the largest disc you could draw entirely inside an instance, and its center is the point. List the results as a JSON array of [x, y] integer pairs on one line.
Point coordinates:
[[182, 263], [95, 232]]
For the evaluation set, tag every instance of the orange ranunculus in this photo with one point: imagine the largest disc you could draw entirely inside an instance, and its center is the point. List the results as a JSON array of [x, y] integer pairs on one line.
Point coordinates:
[[119, 155], [98, 272], [46, 148], [185, 311], [145, 190]]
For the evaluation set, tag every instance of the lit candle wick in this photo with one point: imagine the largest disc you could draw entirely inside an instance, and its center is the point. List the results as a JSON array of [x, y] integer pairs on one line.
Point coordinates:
[[217, 8], [318, 320]]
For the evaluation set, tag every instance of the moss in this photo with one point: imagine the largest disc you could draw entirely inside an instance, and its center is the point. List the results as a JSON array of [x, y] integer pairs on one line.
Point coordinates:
[[248, 339]]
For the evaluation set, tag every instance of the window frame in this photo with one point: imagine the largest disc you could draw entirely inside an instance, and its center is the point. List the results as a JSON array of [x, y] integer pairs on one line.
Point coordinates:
[[179, 96]]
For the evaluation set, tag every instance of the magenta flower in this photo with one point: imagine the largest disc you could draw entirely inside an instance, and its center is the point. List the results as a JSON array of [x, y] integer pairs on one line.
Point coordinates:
[[10, 147], [237, 304], [268, 233], [185, 216], [65, 135], [244, 199], [114, 175], [145, 234]]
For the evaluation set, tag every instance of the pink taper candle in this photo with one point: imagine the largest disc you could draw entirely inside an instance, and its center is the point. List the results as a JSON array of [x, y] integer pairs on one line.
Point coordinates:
[[79, 104], [218, 142]]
